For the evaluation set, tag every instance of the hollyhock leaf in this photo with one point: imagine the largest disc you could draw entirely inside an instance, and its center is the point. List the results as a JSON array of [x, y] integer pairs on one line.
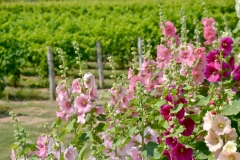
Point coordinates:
[[211, 157], [177, 109], [82, 152], [157, 126], [165, 93], [132, 130], [84, 137], [233, 109], [160, 103], [201, 150], [148, 149], [101, 117], [100, 127], [88, 117], [70, 125], [203, 101], [174, 92]]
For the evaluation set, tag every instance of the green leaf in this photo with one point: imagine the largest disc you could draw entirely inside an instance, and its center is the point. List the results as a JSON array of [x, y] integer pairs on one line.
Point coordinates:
[[203, 101], [82, 152], [165, 93], [132, 130], [148, 149], [70, 125], [201, 150], [174, 92], [84, 137], [233, 109], [101, 117], [159, 103], [100, 127], [177, 109]]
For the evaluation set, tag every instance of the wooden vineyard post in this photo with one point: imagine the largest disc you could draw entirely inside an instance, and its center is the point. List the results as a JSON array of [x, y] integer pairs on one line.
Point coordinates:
[[140, 51], [100, 65], [51, 73]]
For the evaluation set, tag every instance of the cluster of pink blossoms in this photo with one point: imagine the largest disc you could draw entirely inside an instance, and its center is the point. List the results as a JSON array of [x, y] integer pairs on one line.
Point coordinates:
[[220, 138], [76, 99], [46, 146], [209, 32], [169, 31]]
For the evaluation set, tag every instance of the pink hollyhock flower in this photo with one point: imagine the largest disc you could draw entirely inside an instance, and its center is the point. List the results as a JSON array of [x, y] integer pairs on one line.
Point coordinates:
[[148, 66], [208, 118], [99, 110], [81, 118], [76, 86], [168, 29], [189, 124], [13, 155], [201, 63], [207, 22], [82, 104], [221, 125], [150, 135], [226, 45], [231, 135], [89, 80], [229, 156], [63, 115], [92, 93], [167, 154], [211, 73], [42, 146], [60, 88], [165, 111], [130, 73], [199, 52], [70, 153], [236, 73], [180, 152], [198, 76], [134, 153], [107, 143], [186, 56], [213, 141], [163, 53], [216, 154], [209, 35], [171, 141]]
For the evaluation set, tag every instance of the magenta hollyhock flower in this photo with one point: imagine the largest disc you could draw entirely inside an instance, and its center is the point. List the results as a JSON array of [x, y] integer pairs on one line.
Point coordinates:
[[231, 62], [188, 123], [226, 45], [167, 154], [211, 73], [165, 111], [236, 73], [171, 141], [227, 69], [212, 56], [180, 152]]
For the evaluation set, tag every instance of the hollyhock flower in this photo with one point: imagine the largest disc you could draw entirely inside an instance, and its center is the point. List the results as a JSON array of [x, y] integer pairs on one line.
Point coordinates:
[[186, 55], [107, 142], [199, 52], [165, 111], [81, 118], [207, 22], [63, 115], [211, 73], [213, 141], [212, 57], [70, 153], [148, 66], [201, 63], [231, 135], [167, 154], [92, 93], [13, 155], [82, 104], [221, 125], [171, 141], [229, 156], [89, 80], [226, 70], [236, 73], [180, 152], [180, 114], [163, 53], [60, 88], [231, 62], [99, 110], [130, 73], [216, 153], [134, 153], [188, 123], [150, 135], [230, 146], [168, 29], [209, 35], [76, 86], [198, 76], [226, 45], [208, 118], [42, 146]]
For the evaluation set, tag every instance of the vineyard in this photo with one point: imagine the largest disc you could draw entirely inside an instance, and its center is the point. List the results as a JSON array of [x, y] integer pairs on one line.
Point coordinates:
[[27, 29]]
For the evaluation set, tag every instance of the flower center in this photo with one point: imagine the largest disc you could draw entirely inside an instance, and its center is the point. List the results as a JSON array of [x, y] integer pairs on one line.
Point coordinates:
[[84, 102], [231, 157], [182, 150], [221, 125], [214, 73], [224, 44], [215, 141], [68, 104]]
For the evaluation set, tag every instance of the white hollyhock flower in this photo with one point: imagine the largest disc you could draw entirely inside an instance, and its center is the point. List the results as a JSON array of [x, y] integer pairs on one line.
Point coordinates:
[[230, 146]]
